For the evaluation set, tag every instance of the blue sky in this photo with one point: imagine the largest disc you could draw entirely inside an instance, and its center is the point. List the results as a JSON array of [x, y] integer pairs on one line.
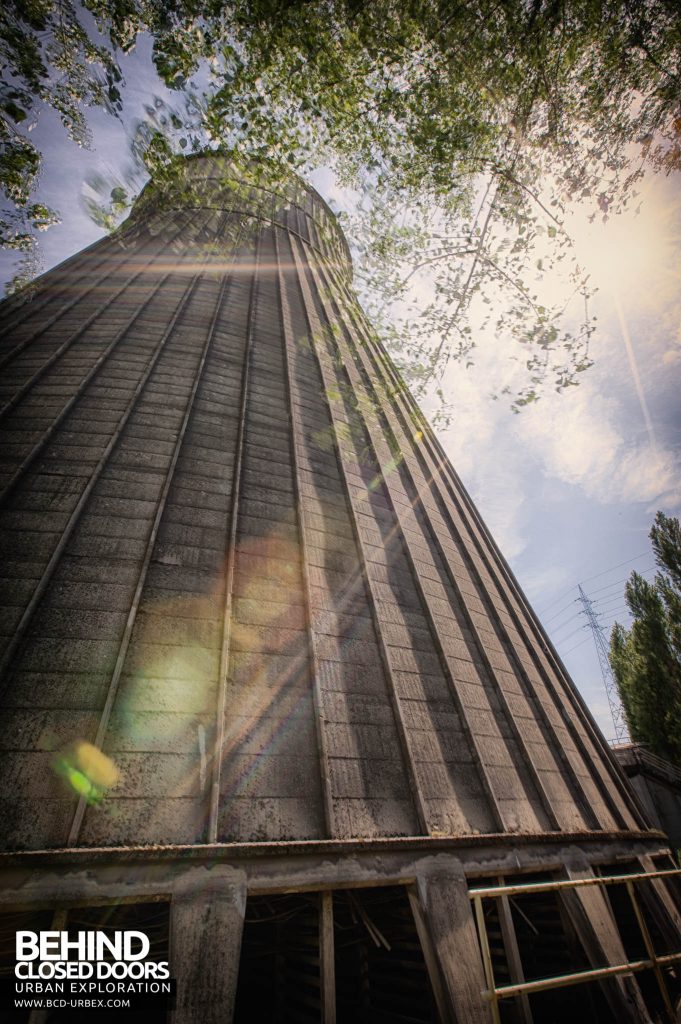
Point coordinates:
[[569, 487]]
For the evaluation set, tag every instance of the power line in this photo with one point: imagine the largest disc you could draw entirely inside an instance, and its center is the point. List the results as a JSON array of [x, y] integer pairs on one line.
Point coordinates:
[[560, 597], [566, 638], [611, 602], [574, 648], [563, 594], [625, 579], [564, 609], [618, 600], [618, 566], [568, 622], [561, 625], [621, 607], [615, 614]]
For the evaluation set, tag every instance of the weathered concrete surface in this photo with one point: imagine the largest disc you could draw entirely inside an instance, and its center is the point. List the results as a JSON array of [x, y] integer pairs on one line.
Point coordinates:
[[235, 558], [206, 921]]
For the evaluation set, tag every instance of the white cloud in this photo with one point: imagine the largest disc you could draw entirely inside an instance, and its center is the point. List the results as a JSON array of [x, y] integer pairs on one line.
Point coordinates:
[[502, 493], [643, 474], [576, 442], [593, 438], [588, 441]]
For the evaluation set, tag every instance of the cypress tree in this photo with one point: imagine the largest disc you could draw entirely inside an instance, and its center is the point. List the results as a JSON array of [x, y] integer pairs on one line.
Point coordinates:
[[646, 659]]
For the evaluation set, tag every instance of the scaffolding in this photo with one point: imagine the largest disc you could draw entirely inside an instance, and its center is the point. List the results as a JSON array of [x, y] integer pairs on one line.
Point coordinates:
[[495, 994]]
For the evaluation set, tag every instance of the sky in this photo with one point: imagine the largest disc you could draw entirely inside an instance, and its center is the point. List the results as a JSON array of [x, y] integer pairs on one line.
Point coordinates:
[[569, 486]]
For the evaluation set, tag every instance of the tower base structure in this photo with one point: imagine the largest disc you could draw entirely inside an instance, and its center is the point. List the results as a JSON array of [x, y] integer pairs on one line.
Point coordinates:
[[412, 929], [271, 696]]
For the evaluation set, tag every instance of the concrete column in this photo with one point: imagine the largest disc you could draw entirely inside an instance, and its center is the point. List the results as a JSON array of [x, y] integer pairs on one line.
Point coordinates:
[[448, 914], [206, 922]]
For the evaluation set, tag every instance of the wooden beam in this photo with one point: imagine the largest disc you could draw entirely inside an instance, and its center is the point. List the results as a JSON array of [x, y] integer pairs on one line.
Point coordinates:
[[515, 964], [449, 919], [591, 916], [327, 963], [429, 956]]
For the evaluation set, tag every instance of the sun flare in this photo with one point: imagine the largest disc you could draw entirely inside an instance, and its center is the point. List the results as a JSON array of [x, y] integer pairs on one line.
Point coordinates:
[[629, 251]]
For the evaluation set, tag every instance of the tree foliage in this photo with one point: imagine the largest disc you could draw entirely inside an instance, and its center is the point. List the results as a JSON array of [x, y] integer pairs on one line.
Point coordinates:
[[646, 659], [465, 129]]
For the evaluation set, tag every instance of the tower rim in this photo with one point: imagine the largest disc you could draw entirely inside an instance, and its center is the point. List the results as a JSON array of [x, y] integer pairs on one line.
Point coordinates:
[[266, 175]]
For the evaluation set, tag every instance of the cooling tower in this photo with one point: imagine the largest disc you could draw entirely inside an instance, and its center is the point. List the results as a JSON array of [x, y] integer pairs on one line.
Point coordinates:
[[262, 661]]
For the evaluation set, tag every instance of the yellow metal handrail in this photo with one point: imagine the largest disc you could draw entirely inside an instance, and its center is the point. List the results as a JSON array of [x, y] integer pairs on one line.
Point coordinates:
[[568, 883], [494, 994]]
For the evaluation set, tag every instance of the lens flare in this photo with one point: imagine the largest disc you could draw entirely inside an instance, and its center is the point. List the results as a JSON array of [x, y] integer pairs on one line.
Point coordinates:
[[87, 770]]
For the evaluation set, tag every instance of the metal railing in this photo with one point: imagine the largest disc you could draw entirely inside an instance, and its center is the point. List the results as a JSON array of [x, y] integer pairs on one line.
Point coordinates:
[[655, 961], [636, 755]]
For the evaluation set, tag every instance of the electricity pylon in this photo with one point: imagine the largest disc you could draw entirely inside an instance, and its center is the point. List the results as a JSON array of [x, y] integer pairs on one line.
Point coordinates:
[[616, 709]]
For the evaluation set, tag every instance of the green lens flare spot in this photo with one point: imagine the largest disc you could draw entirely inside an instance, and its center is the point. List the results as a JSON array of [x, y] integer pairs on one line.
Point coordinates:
[[88, 771]]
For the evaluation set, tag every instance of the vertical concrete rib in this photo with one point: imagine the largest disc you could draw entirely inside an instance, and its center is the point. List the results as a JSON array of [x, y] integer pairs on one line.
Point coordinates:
[[80, 390], [27, 386], [578, 726], [430, 476], [132, 614], [498, 818], [581, 729], [561, 804], [44, 327], [558, 803], [419, 802], [218, 753], [370, 786], [288, 342], [24, 301], [405, 516], [455, 495], [75, 515]]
